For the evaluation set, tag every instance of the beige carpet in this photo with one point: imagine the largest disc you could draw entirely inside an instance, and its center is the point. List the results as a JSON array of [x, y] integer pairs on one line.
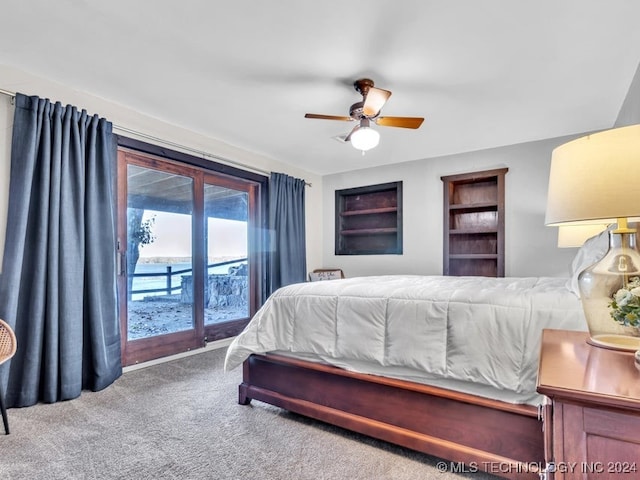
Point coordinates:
[[181, 420]]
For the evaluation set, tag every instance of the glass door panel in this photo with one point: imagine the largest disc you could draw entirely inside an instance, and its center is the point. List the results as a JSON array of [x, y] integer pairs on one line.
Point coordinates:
[[226, 287], [159, 253]]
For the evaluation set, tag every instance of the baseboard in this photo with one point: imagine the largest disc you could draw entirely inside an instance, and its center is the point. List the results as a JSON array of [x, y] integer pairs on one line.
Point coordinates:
[[225, 342]]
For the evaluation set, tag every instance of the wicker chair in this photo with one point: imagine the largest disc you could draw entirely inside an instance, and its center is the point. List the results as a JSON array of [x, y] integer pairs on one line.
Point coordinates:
[[8, 347]]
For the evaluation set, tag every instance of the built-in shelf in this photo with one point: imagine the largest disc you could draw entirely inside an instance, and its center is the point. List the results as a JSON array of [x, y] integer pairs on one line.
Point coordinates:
[[474, 223], [369, 220]]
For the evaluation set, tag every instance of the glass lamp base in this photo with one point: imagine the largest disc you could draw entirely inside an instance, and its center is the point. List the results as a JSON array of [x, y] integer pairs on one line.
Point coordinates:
[[610, 295], [615, 342]]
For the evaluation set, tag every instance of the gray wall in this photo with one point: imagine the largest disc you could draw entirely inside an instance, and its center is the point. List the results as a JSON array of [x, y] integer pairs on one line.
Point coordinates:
[[530, 247], [630, 111]]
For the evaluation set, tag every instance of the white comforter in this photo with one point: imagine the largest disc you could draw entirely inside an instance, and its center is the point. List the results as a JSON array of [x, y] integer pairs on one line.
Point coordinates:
[[485, 331]]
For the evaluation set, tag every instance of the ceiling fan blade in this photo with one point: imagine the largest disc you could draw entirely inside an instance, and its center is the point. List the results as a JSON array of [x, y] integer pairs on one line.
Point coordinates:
[[404, 122], [374, 101], [328, 117]]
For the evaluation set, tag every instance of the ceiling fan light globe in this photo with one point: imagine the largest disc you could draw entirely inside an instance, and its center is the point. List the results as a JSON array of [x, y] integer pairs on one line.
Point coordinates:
[[365, 138]]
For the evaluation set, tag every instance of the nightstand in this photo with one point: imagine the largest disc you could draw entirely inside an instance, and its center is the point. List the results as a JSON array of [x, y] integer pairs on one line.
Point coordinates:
[[592, 427]]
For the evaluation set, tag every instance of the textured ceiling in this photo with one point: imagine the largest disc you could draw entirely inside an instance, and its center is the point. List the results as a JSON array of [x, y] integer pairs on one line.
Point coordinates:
[[483, 73]]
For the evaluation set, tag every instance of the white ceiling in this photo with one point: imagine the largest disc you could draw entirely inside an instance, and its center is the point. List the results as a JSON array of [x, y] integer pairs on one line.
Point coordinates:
[[483, 73]]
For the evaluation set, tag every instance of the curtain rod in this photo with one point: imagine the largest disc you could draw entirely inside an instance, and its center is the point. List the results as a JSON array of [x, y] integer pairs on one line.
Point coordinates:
[[8, 94], [195, 151], [189, 149], [175, 145]]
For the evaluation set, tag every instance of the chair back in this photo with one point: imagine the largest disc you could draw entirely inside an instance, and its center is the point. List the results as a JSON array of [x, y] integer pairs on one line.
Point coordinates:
[[8, 343], [325, 274]]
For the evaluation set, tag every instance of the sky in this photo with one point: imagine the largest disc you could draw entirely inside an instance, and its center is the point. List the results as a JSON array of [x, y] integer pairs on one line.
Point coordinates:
[[172, 232]]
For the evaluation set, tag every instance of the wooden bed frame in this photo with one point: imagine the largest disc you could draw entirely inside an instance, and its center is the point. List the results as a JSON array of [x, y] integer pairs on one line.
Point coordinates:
[[501, 438]]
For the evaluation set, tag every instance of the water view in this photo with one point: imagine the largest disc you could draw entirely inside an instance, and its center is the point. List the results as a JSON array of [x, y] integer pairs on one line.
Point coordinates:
[[152, 275]]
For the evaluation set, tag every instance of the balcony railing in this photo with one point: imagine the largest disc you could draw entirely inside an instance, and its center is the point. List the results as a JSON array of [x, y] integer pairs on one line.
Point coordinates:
[[169, 273]]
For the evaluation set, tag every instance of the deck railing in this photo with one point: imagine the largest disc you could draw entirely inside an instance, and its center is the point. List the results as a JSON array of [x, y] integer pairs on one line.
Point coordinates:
[[169, 273]]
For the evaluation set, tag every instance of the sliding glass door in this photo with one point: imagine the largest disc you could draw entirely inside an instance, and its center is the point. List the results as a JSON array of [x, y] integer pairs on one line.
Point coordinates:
[[188, 264]]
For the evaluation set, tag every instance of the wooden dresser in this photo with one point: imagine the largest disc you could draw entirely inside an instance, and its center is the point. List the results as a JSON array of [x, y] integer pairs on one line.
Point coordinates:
[[592, 427]]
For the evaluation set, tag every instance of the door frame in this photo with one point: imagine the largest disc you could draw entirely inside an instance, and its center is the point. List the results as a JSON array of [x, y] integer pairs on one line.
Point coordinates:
[[152, 156]]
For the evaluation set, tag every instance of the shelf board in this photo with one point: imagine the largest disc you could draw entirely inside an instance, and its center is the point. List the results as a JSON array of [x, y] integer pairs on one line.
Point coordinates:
[[369, 211], [493, 206], [473, 256], [472, 231], [369, 231]]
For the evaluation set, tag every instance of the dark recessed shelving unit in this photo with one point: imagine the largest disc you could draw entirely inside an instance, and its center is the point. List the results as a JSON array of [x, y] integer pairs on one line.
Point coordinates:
[[369, 220], [474, 223]]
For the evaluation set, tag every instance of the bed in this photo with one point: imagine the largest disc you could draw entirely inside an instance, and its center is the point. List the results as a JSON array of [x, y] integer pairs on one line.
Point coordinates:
[[443, 365]]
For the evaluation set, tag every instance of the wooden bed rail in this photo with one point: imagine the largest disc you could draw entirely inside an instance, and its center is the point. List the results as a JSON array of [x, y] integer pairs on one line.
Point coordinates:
[[497, 437]]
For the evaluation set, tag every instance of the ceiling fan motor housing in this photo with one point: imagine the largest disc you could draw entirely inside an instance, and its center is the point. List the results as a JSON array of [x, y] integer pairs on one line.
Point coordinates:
[[363, 85], [356, 111]]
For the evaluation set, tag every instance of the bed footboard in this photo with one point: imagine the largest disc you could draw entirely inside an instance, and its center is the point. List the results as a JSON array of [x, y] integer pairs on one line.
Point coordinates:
[[501, 438]]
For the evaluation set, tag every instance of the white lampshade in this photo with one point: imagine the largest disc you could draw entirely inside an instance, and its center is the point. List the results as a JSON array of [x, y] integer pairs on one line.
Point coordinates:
[[595, 179], [575, 235], [365, 138]]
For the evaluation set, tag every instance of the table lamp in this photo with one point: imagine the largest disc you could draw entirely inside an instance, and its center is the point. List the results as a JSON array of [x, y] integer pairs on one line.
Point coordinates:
[[596, 180]]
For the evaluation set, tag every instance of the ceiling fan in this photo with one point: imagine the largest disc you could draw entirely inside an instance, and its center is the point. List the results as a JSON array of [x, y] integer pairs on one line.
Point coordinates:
[[363, 137]]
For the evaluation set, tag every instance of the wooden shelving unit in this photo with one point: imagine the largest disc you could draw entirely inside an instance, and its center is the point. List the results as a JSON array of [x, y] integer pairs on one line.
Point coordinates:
[[474, 223], [369, 220]]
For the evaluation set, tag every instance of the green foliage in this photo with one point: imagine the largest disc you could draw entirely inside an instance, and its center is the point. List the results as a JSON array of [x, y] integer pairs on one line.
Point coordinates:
[[145, 233], [625, 305], [140, 232]]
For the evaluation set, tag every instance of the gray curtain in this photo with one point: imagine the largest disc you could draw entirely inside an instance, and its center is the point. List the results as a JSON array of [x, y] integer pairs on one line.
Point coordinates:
[[58, 281], [288, 257]]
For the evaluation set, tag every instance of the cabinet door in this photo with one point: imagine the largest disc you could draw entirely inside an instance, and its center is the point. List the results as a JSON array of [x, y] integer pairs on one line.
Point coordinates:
[[598, 443]]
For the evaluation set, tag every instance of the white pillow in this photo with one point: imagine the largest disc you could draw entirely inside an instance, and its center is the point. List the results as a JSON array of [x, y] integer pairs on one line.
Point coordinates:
[[591, 251]]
